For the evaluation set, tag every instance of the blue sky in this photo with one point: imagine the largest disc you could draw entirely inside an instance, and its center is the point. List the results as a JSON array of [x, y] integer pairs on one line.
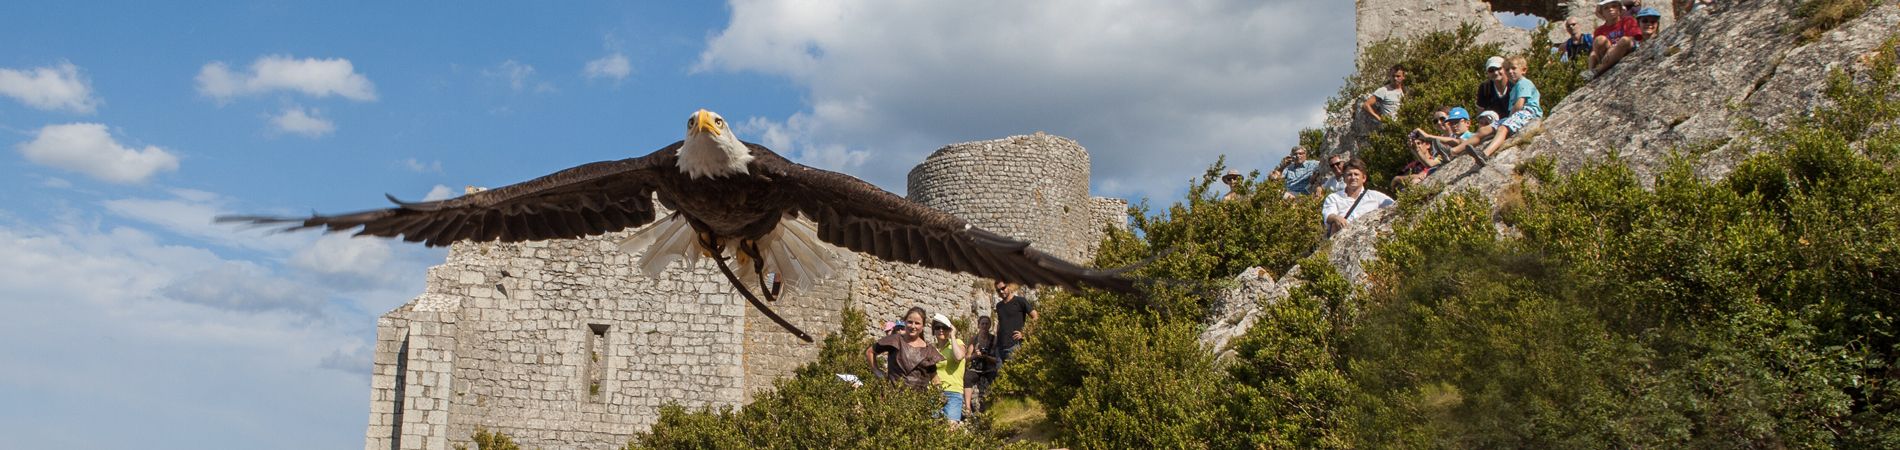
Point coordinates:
[[125, 126]]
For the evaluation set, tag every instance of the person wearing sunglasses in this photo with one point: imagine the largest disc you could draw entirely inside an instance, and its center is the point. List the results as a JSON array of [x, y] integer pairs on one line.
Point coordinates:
[[1492, 92]]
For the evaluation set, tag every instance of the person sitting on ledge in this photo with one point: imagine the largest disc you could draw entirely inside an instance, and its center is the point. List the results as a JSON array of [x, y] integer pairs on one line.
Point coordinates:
[[1491, 91], [1614, 38], [1423, 161], [1526, 108], [1232, 180], [1650, 21], [1296, 171], [1353, 202]]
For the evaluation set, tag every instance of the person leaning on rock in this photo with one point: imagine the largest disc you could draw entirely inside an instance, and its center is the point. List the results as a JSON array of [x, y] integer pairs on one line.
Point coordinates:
[[1650, 21], [1353, 202]]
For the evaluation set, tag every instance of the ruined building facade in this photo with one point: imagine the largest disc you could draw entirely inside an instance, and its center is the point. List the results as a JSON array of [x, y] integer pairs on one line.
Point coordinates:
[[564, 344]]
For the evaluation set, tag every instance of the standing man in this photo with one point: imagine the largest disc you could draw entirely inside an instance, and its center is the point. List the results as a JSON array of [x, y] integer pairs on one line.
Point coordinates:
[[1013, 314], [1384, 101], [1296, 171]]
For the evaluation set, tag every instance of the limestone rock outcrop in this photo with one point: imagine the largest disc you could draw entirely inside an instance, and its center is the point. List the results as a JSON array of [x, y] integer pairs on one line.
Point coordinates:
[[1693, 85]]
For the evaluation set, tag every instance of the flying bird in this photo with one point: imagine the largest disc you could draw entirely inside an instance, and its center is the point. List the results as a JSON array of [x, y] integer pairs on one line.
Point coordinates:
[[730, 200]]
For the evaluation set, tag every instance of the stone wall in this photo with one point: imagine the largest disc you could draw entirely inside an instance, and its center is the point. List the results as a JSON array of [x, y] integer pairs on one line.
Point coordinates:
[[564, 344]]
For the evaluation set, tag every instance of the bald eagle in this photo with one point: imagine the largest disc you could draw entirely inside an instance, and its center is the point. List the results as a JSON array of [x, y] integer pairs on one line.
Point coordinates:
[[731, 200]]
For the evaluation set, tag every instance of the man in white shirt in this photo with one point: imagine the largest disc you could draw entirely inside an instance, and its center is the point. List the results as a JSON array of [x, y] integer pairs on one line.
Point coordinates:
[[1354, 201]]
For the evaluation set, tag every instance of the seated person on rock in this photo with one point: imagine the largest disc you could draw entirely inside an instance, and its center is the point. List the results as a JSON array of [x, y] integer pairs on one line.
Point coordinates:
[[1353, 202], [1454, 129], [1578, 46], [1423, 161], [1650, 21], [1492, 91], [1614, 38], [1526, 109], [1330, 181]]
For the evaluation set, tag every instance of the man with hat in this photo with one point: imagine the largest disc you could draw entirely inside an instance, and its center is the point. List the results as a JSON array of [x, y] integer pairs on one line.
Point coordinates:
[[1614, 38], [1493, 90]]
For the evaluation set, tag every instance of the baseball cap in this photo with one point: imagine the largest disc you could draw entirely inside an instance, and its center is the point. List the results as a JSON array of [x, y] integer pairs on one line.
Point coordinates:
[[1488, 116], [1494, 62], [1457, 113], [1648, 12]]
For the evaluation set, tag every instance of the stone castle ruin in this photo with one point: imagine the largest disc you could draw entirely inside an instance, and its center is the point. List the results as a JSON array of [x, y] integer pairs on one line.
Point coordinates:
[[564, 344]]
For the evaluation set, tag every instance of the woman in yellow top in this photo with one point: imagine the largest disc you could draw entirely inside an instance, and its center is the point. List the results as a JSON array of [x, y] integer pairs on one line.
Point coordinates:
[[950, 369]]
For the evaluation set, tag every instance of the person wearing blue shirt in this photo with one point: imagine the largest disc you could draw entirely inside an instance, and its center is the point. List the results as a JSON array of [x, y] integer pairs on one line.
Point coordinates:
[[1296, 171], [1526, 106]]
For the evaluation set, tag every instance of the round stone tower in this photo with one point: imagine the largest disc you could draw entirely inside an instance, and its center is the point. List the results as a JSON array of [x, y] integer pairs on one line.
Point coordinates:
[[1029, 187]]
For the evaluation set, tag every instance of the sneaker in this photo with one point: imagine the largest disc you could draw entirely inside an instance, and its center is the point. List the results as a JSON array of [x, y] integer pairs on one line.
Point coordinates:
[[1587, 74], [1477, 155]]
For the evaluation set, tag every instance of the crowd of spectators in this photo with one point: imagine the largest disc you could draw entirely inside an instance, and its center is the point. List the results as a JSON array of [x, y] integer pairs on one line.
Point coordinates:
[[1505, 105], [945, 362]]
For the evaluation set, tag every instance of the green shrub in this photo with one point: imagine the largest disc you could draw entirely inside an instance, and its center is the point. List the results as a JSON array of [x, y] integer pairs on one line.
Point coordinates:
[[814, 409], [487, 440]]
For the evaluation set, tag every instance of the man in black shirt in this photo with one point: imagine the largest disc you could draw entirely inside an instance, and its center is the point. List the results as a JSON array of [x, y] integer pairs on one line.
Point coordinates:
[[1013, 313]]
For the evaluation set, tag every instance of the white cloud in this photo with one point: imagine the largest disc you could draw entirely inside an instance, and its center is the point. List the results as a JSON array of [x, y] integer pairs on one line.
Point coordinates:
[[139, 330], [614, 67], [309, 76], [1154, 100], [59, 87], [87, 148], [340, 257], [309, 123], [519, 76], [418, 166], [439, 192]]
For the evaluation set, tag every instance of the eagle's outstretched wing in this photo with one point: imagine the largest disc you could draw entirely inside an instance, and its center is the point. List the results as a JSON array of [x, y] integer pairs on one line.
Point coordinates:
[[857, 215], [586, 200]]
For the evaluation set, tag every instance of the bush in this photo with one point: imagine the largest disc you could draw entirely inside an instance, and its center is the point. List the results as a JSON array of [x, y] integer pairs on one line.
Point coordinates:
[[814, 409]]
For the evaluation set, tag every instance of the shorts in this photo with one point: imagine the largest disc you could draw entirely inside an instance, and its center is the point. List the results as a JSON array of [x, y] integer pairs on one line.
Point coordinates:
[[952, 406], [1518, 120]]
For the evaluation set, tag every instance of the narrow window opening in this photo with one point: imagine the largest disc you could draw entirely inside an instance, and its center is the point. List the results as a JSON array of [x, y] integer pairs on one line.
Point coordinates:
[[402, 380], [596, 361]]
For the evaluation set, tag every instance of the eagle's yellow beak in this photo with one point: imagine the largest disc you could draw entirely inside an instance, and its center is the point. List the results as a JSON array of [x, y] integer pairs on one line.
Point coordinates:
[[703, 121]]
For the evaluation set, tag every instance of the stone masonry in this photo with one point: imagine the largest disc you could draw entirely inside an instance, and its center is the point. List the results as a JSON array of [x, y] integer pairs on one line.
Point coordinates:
[[564, 344]]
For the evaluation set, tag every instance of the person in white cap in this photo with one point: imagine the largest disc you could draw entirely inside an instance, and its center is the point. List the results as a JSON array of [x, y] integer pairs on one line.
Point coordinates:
[[950, 368], [1492, 92]]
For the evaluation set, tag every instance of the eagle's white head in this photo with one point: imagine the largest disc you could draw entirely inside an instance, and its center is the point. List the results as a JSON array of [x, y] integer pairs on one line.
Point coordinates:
[[711, 150]]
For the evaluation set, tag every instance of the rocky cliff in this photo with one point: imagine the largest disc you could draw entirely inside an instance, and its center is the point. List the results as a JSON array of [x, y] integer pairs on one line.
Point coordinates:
[[1693, 86]]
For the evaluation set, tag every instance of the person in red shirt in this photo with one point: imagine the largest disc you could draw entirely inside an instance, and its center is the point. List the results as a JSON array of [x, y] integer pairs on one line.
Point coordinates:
[[1614, 38]]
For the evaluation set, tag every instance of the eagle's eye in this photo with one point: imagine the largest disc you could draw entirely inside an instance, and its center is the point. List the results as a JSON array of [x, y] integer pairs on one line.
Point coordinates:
[[719, 121]]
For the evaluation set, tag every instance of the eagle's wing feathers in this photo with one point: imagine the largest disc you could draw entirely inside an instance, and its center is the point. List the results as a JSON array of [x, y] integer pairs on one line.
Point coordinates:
[[586, 200], [859, 216]]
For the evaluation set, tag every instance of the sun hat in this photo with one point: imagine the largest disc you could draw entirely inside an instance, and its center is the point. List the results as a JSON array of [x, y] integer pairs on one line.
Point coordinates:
[[1494, 62], [1231, 174], [939, 319], [1458, 113], [1609, 2], [1648, 12], [1488, 116]]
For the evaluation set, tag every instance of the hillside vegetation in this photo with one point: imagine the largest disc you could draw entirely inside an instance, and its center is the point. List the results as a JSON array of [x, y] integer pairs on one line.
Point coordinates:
[[1752, 311]]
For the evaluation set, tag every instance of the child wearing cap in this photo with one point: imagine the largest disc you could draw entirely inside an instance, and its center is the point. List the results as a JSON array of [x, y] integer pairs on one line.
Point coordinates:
[[1457, 128], [1614, 38]]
